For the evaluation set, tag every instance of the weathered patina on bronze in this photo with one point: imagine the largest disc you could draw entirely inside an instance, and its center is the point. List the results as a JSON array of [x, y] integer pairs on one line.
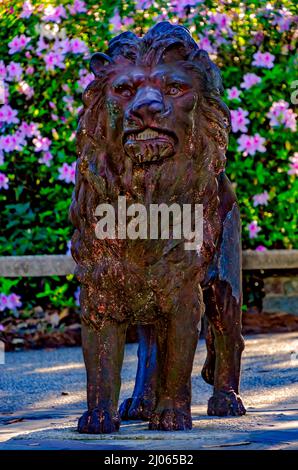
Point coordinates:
[[154, 129]]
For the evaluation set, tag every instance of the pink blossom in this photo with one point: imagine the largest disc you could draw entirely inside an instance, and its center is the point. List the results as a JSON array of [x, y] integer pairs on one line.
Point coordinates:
[[249, 80], [27, 9], [221, 20], [3, 302], [205, 44], [29, 70], [41, 45], [85, 79], [283, 19], [258, 142], [7, 143], [263, 59], [1, 157], [13, 301], [54, 14], [67, 172], [54, 59], [239, 120], [280, 115], [253, 229], [116, 21], [78, 7], [260, 248], [261, 199], [14, 70], [2, 70], [46, 159], [178, 6], [249, 145], [3, 181], [28, 130], [25, 89], [233, 93], [8, 115], [294, 165], [78, 46], [18, 43], [42, 144]]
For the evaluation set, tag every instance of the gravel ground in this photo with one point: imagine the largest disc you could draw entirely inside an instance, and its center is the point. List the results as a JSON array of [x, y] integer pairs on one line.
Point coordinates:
[[43, 393]]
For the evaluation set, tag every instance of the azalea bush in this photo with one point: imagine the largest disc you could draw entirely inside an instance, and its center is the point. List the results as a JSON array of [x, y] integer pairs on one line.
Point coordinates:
[[45, 47]]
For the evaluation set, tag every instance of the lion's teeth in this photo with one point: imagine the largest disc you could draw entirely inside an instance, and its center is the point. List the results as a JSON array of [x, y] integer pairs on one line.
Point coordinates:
[[147, 134]]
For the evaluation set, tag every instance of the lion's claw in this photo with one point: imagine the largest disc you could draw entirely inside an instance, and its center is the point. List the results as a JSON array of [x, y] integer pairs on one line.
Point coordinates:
[[136, 408], [98, 421], [170, 419], [225, 404]]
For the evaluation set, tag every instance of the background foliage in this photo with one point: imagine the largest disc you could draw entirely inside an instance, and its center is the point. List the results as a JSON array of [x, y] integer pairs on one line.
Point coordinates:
[[44, 52]]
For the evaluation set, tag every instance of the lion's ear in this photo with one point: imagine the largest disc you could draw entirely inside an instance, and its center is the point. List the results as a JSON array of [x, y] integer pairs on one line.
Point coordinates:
[[98, 61]]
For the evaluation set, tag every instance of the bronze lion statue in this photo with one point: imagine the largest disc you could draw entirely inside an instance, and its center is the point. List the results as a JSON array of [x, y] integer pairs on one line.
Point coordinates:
[[155, 130]]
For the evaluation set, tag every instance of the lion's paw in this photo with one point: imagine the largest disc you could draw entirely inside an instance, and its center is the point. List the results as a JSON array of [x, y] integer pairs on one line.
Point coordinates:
[[170, 419], [136, 408], [225, 404], [98, 421]]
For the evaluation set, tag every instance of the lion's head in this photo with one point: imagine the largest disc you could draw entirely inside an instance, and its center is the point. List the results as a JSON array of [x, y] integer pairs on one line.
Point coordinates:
[[152, 120]]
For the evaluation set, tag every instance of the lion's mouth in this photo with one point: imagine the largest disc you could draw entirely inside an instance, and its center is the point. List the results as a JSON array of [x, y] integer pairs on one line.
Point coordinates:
[[149, 145]]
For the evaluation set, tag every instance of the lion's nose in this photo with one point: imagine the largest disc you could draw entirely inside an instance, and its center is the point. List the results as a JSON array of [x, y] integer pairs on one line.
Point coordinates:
[[147, 105]]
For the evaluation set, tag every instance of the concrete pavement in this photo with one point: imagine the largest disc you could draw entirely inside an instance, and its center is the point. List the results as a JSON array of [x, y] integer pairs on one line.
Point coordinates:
[[42, 394]]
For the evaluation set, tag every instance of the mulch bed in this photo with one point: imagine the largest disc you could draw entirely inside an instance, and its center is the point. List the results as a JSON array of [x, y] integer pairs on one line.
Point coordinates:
[[54, 329]]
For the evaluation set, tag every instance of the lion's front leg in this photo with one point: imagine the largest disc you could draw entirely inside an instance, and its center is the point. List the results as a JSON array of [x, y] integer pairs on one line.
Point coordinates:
[[224, 314], [176, 354], [103, 351]]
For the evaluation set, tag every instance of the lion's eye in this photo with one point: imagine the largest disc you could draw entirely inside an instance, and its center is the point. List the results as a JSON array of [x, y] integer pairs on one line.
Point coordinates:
[[174, 90], [124, 90]]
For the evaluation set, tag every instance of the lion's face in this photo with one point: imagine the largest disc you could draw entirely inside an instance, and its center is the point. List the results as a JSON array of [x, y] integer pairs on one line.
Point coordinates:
[[149, 111]]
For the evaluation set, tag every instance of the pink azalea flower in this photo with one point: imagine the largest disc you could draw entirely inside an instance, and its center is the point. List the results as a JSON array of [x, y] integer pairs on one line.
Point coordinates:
[[78, 46], [13, 301], [3, 181], [42, 144], [78, 7], [53, 60], [8, 115], [41, 45], [260, 248], [250, 144], [85, 79], [1, 158], [283, 19], [54, 14], [67, 172], [3, 302], [280, 115], [221, 20], [239, 120], [29, 70], [18, 43], [253, 229], [25, 89], [258, 142], [263, 59], [261, 199], [249, 80], [46, 159], [14, 70], [205, 44], [116, 21], [27, 9], [2, 70], [28, 130], [233, 93], [294, 165]]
